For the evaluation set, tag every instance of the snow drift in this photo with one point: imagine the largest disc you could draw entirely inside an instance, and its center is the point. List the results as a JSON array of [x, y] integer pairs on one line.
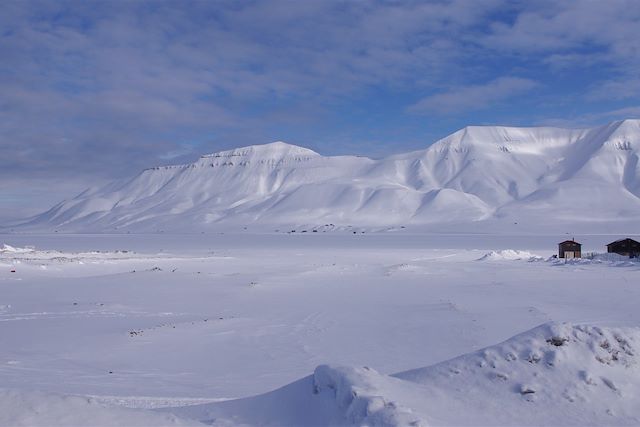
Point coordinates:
[[555, 374], [506, 175], [509, 254]]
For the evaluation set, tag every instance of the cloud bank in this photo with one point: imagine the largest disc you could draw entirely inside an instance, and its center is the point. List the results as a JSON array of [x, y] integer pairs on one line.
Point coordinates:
[[96, 90], [473, 97]]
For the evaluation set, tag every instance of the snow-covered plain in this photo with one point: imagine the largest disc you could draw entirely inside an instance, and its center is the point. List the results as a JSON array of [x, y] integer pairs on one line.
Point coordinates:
[[386, 328]]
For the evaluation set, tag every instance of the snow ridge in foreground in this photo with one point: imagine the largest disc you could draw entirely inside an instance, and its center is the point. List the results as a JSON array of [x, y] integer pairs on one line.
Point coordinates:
[[554, 374], [358, 395]]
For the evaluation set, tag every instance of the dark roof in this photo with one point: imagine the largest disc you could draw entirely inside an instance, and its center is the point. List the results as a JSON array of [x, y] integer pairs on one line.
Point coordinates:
[[623, 240], [573, 242]]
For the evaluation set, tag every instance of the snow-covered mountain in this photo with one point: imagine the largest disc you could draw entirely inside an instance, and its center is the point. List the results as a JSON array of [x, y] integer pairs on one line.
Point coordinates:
[[478, 175]]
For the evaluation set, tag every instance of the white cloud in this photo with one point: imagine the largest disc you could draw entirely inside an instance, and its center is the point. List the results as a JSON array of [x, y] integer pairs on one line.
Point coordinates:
[[621, 88], [473, 97], [593, 119]]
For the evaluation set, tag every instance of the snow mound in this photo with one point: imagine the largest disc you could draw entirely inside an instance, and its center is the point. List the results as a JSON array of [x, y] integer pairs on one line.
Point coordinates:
[[555, 374], [332, 396], [509, 254], [39, 409], [359, 395]]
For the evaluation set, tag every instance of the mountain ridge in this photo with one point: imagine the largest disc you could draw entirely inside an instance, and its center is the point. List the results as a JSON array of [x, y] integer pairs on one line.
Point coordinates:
[[475, 175]]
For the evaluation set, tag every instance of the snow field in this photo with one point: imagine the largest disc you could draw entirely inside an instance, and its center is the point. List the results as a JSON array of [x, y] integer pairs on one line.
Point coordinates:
[[102, 332], [45, 409]]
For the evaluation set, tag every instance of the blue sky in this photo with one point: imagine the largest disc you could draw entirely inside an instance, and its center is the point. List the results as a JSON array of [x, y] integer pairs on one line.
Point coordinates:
[[92, 91]]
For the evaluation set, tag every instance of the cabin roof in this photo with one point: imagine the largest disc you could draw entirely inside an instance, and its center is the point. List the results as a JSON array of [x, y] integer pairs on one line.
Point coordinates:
[[623, 240], [572, 242]]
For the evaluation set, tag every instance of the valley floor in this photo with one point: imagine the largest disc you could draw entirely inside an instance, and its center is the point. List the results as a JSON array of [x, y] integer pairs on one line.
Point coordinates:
[[184, 329]]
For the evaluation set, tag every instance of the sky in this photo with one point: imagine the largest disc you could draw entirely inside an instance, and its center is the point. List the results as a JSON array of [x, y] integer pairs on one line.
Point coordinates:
[[94, 91]]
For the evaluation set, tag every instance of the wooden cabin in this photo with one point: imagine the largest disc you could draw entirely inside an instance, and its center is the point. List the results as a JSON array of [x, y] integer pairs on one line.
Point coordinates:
[[625, 247], [569, 249]]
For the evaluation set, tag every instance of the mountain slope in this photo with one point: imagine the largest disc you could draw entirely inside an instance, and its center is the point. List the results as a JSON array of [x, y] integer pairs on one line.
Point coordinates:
[[493, 174]]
